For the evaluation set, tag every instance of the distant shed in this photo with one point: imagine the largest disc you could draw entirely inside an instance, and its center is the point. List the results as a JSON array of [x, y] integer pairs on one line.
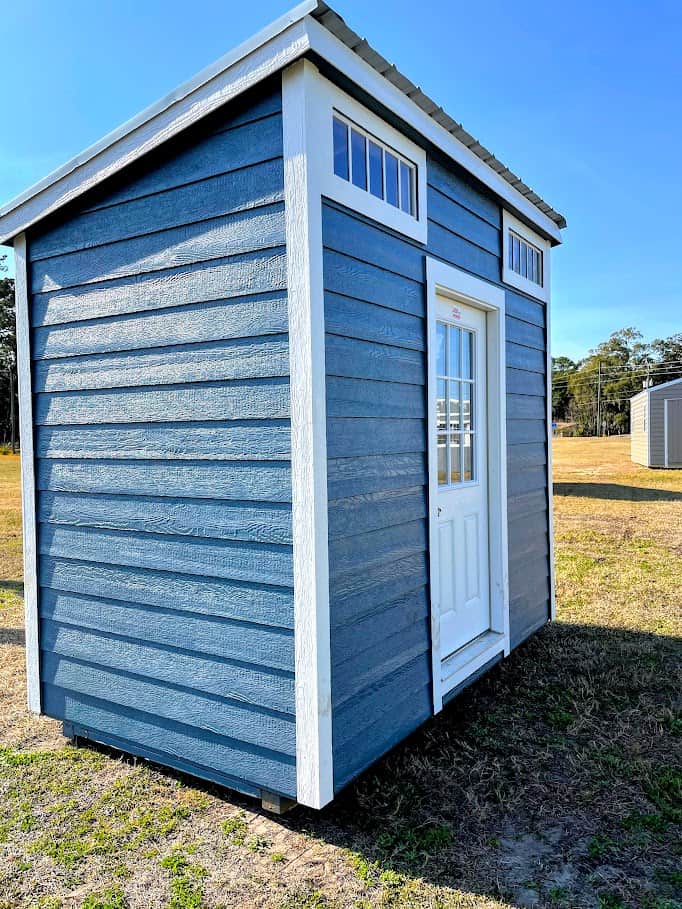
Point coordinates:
[[284, 407], [656, 425]]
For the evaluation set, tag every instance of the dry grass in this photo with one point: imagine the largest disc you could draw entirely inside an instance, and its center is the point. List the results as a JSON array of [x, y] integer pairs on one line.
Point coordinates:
[[553, 782]]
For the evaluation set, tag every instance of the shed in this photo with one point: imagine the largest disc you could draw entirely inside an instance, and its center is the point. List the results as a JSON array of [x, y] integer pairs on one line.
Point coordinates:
[[283, 348], [656, 425]]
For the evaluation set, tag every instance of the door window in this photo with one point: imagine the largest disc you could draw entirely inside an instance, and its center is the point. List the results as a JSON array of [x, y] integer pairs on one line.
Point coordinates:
[[455, 405]]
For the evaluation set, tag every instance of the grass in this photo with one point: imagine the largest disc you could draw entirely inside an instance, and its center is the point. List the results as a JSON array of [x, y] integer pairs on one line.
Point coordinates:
[[555, 781]]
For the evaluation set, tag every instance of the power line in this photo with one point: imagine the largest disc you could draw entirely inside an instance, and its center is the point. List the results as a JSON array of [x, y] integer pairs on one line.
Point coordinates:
[[653, 364], [575, 379]]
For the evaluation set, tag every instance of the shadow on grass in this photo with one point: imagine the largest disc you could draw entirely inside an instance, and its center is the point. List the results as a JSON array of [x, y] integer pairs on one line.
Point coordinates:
[[616, 491], [549, 782], [12, 636], [16, 587]]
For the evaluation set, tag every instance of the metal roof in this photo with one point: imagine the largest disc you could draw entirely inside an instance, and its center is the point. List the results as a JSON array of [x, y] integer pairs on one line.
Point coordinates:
[[275, 47], [337, 26]]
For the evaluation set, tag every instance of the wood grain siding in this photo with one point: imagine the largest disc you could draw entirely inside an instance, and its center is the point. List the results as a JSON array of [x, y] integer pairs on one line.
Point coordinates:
[[376, 408], [376, 435], [639, 430], [161, 397]]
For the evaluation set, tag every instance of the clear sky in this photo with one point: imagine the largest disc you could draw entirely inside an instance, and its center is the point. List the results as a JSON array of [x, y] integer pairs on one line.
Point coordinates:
[[583, 100]]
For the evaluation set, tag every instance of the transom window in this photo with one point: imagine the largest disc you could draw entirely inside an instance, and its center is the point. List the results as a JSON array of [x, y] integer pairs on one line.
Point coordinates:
[[369, 164], [524, 258], [455, 410]]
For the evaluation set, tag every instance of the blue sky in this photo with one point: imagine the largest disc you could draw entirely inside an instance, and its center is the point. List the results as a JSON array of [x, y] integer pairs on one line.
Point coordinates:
[[583, 100]]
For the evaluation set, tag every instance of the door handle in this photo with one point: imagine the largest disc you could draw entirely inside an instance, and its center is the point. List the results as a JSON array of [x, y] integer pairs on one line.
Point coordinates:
[[440, 509]]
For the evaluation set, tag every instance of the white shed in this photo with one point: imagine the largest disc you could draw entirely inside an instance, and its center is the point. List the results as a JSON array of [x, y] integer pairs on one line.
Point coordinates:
[[656, 425]]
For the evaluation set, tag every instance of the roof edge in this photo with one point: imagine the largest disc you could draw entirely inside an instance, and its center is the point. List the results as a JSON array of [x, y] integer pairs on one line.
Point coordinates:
[[336, 25], [187, 93], [310, 26]]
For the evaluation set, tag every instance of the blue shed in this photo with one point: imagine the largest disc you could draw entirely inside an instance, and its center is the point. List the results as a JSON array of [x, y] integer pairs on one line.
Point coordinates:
[[283, 345]]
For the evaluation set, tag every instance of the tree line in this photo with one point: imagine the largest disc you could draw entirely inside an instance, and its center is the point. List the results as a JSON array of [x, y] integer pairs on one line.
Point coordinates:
[[593, 395], [8, 363]]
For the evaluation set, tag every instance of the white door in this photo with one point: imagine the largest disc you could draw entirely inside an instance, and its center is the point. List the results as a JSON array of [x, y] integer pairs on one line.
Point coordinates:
[[463, 574]]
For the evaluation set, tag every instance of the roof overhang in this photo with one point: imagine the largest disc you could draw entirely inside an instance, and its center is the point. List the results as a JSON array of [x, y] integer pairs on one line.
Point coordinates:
[[310, 28]]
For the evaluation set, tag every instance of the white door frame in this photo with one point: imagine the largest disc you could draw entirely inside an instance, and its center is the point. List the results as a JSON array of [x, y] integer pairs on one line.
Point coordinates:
[[446, 281]]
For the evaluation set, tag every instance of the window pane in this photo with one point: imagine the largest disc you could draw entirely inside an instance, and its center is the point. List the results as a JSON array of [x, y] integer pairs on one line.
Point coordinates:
[[341, 165], [467, 355], [455, 469], [441, 415], [468, 457], [454, 422], [358, 147], [524, 260], [515, 264], [467, 406], [391, 179], [540, 279], [440, 349], [453, 360], [406, 188], [376, 170], [442, 460]]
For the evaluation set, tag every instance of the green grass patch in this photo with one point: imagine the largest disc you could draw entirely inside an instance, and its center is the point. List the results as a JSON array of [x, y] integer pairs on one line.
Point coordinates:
[[235, 829], [186, 880], [112, 898]]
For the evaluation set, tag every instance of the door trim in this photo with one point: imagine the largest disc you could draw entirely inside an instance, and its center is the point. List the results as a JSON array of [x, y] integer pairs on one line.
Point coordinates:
[[446, 281]]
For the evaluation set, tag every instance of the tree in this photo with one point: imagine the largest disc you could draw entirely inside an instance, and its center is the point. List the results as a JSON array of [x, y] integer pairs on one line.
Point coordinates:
[[606, 380], [562, 368], [595, 393], [668, 353], [8, 361]]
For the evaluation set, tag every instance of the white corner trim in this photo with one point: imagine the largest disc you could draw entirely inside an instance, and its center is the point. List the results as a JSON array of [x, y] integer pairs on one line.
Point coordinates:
[[446, 280], [266, 53], [312, 644], [550, 443], [385, 93], [344, 191], [509, 222], [28, 486]]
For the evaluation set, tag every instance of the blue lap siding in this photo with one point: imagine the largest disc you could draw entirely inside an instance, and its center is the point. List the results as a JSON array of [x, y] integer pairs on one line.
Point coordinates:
[[161, 381], [375, 320]]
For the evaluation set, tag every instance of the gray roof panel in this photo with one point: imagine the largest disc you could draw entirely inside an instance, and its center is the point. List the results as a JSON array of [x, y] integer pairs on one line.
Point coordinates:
[[338, 27]]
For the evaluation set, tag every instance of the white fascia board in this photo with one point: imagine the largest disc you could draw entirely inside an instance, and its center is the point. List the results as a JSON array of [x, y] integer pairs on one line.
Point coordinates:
[[335, 52], [272, 49]]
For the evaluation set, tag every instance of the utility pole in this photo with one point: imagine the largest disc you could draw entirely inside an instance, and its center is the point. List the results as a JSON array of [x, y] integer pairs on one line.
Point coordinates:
[[598, 398]]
